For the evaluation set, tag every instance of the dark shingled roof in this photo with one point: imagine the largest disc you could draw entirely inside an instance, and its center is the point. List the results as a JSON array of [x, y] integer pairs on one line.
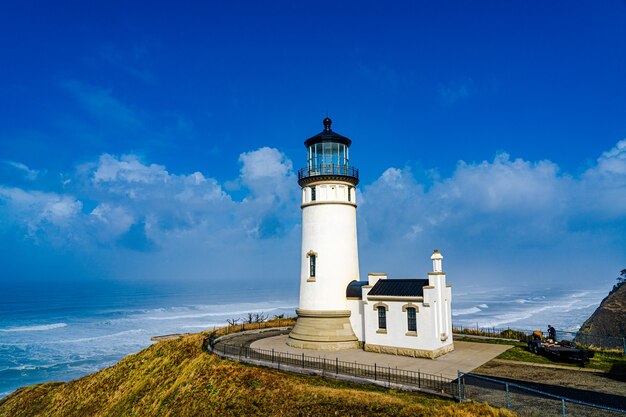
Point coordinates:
[[399, 287], [354, 289]]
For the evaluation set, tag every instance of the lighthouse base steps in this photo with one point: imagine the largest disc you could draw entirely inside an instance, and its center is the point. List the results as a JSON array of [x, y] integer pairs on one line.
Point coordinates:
[[323, 330]]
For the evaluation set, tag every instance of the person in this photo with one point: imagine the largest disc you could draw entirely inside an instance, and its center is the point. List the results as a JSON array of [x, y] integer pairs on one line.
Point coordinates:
[[551, 332]]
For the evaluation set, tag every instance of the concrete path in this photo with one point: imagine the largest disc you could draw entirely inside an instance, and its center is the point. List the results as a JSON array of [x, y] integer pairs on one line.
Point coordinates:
[[466, 356]]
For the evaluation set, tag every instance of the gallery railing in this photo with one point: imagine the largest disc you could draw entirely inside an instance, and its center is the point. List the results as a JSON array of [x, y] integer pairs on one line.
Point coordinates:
[[330, 169]]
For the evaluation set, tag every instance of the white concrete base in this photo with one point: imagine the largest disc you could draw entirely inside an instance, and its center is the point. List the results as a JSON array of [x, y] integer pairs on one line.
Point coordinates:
[[323, 330]]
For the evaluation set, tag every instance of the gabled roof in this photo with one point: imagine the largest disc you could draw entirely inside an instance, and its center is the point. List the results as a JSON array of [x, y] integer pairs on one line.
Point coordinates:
[[399, 288], [354, 289]]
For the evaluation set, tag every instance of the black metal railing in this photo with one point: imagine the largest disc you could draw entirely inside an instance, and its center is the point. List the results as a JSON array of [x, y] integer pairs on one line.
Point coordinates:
[[331, 169], [428, 382]]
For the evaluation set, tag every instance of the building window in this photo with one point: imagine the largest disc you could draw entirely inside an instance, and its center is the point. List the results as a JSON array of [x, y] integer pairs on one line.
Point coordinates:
[[411, 319], [350, 194], [313, 194], [312, 261], [382, 318]]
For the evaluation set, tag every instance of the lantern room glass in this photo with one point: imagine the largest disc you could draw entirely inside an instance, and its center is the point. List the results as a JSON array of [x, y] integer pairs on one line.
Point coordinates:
[[327, 156]]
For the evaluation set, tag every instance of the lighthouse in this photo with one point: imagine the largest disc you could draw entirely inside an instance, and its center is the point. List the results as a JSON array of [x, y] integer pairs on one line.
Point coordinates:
[[329, 254]]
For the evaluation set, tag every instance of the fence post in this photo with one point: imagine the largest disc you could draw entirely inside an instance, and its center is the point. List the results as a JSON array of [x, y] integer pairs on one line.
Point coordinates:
[[508, 398], [563, 406], [336, 366], [419, 379], [303, 360], [374, 371], [272, 355], [458, 373], [624, 342]]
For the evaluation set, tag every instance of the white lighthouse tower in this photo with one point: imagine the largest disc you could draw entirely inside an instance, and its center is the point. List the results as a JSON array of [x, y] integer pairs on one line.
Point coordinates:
[[329, 257]]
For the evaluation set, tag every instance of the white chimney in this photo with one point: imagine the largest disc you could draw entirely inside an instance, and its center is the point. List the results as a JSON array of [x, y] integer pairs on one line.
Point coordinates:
[[373, 277], [437, 259]]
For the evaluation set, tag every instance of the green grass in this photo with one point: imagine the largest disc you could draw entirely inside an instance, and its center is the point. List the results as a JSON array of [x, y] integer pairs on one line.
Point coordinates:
[[605, 361], [614, 362], [177, 378]]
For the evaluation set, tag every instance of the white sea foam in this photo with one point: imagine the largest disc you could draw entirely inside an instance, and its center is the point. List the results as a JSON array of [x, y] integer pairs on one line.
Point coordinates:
[[465, 311], [37, 328], [482, 306], [201, 326], [106, 336], [216, 314]]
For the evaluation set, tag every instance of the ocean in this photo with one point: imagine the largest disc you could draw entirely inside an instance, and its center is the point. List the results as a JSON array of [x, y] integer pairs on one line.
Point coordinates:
[[63, 332]]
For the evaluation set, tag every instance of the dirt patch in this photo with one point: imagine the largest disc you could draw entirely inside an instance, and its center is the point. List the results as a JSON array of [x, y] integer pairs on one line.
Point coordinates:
[[569, 378]]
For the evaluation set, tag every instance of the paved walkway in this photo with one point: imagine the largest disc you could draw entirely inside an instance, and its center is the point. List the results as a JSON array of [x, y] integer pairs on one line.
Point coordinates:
[[466, 356]]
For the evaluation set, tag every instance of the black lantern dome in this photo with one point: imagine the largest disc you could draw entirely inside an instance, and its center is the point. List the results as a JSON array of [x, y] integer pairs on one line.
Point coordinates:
[[328, 156]]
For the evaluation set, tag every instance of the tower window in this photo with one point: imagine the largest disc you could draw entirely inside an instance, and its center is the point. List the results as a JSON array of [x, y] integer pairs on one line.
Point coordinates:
[[350, 194], [312, 262], [382, 318], [411, 319], [313, 196]]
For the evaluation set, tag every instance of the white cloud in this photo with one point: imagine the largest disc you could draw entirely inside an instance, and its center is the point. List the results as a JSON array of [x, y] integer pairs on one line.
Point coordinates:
[[128, 168], [268, 173], [504, 216], [29, 174], [39, 211], [100, 104]]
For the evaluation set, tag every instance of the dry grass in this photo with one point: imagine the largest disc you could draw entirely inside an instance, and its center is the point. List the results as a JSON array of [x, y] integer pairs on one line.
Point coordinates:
[[176, 378]]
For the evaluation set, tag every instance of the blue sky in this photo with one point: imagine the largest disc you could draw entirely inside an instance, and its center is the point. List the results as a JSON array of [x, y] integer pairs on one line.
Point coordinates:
[[159, 141]]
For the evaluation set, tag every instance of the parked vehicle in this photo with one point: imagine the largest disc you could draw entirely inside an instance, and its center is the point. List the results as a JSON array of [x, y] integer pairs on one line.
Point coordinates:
[[564, 350]]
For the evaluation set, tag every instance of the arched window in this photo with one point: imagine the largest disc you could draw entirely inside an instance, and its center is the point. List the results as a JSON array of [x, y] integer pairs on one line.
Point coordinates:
[[411, 319], [382, 318], [312, 262]]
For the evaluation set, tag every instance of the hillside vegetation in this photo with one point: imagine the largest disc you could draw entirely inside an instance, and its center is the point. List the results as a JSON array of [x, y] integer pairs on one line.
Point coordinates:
[[176, 378], [609, 319]]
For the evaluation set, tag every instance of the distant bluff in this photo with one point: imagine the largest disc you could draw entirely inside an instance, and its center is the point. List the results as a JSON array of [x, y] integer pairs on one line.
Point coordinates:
[[609, 319]]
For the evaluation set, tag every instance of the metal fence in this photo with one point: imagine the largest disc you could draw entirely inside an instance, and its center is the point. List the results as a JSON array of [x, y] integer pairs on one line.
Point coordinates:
[[420, 380], [585, 339], [526, 401]]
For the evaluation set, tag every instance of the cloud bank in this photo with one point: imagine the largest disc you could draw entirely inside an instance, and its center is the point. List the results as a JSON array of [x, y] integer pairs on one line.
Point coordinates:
[[503, 222]]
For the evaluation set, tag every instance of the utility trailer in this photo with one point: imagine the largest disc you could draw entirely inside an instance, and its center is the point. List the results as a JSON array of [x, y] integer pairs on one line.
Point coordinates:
[[561, 351]]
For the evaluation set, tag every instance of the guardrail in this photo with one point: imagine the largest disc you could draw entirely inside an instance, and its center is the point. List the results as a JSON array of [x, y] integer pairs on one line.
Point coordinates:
[[525, 401], [467, 387], [585, 339], [421, 381]]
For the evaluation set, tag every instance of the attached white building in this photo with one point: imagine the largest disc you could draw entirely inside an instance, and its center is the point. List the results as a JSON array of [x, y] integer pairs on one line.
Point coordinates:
[[337, 311], [410, 317]]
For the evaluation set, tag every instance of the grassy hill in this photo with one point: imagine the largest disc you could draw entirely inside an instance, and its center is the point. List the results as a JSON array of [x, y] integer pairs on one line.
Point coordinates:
[[176, 378], [609, 319]]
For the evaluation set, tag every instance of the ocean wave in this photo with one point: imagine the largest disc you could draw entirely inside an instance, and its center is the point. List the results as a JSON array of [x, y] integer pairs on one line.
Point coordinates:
[[465, 311], [216, 314], [106, 336], [482, 306], [201, 326], [37, 328]]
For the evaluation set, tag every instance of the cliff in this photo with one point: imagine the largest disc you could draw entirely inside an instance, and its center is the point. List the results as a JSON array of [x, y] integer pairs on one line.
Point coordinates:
[[177, 378], [609, 319]]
